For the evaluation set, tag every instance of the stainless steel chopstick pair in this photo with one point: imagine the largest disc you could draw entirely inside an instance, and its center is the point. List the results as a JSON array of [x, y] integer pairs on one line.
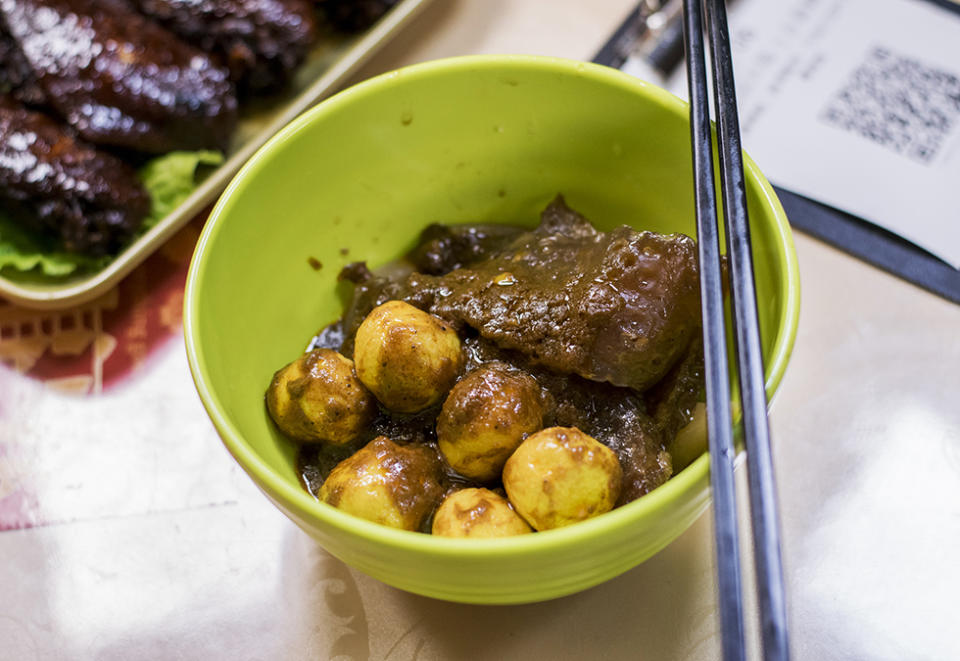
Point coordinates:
[[763, 505]]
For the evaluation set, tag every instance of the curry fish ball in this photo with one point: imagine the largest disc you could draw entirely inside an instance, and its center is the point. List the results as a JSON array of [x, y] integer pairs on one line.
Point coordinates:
[[559, 476], [318, 398], [486, 416], [407, 357], [477, 513], [397, 486]]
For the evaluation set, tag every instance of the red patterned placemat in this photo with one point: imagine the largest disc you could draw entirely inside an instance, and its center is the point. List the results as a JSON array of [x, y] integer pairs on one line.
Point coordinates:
[[98, 416]]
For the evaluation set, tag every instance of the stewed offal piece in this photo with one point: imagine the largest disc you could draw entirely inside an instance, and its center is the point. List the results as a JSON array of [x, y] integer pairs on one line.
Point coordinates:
[[261, 41], [398, 486], [621, 306], [90, 201], [477, 513], [119, 78], [444, 248], [319, 399]]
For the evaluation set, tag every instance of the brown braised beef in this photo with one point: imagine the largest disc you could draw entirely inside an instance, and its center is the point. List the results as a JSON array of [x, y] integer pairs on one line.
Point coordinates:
[[606, 322]]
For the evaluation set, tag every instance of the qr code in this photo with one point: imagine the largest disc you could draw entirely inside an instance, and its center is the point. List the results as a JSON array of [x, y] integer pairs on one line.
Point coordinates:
[[899, 103]]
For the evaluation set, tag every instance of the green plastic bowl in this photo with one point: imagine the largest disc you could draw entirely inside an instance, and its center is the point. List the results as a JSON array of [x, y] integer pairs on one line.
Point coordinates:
[[489, 139]]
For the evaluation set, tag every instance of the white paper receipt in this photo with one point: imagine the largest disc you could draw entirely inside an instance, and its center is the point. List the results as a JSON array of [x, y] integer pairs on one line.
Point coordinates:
[[856, 104]]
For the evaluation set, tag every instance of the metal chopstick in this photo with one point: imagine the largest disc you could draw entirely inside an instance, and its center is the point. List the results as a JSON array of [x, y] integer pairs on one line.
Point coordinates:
[[719, 425], [763, 502], [756, 429]]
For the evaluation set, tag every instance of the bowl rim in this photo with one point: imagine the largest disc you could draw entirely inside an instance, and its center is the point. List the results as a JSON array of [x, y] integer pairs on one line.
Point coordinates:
[[297, 502]]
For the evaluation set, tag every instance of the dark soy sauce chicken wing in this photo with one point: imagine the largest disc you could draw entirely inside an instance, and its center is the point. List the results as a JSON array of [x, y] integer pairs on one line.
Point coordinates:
[[353, 15], [89, 200], [260, 41], [120, 79], [16, 76]]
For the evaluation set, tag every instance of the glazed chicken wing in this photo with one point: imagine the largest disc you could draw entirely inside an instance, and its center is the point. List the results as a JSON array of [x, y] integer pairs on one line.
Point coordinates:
[[353, 15], [89, 200], [260, 41], [16, 75], [120, 79]]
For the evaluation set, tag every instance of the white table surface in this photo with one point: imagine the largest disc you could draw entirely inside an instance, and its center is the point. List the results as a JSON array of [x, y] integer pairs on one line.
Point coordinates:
[[167, 551]]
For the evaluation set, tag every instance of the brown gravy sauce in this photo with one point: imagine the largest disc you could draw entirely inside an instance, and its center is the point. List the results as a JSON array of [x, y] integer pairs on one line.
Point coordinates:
[[607, 323]]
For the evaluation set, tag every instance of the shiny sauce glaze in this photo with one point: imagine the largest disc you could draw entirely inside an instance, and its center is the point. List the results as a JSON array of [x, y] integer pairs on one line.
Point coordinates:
[[56, 184], [119, 79], [261, 42]]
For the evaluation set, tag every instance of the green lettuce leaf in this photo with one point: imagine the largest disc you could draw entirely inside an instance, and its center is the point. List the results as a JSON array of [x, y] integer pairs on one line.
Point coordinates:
[[169, 180]]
